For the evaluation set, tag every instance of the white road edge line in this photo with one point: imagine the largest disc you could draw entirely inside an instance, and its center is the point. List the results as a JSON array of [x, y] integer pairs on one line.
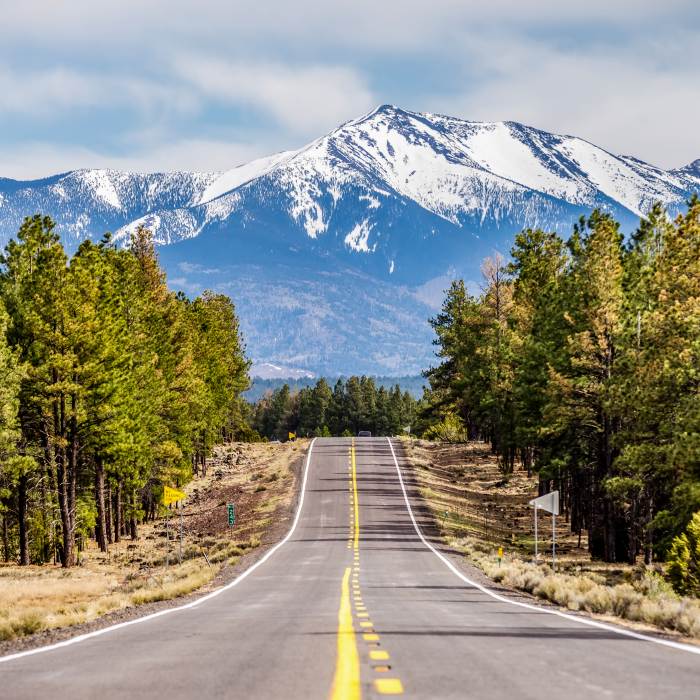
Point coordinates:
[[193, 604], [527, 606]]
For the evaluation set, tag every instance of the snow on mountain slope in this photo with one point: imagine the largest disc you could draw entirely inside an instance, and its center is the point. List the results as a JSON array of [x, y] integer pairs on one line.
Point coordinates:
[[692, 170], [86, 203], [351, 239], [457, 170], [231, 179], [469, 174]]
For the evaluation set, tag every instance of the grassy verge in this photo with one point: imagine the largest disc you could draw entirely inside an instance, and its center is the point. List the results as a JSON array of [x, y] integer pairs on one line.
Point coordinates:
[[35, 598], [476, 511], [644, 598], [38, 598]]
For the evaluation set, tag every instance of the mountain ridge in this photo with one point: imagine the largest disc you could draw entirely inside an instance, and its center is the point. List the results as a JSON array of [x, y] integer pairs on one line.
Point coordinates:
[[404, 198]]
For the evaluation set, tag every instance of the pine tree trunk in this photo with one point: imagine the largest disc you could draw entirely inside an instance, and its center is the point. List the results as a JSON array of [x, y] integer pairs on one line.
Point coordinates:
[[649, 537], [101, 529], [63, 478], [5, 539], [45, 519], [118, 511], [73, 468], [108, 513], [22, 520], [133, 527]]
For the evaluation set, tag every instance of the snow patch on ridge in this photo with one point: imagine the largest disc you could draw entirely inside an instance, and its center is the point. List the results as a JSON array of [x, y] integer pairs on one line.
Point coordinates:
[[358, 238], [234, 178], [101, 185]]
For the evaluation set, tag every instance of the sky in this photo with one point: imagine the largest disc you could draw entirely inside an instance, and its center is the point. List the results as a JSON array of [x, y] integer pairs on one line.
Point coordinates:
[[208, 84]]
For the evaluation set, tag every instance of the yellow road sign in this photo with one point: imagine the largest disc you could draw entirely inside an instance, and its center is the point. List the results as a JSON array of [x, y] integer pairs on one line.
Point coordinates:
[[292, 436], [172, 495]]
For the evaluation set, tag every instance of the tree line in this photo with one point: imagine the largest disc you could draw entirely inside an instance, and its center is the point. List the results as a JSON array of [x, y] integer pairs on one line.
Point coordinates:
[[580, 361], [112, 386], [350, 406]]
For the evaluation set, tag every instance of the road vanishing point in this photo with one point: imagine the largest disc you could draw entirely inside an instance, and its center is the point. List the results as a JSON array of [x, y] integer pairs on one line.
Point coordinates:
[[353, 603]]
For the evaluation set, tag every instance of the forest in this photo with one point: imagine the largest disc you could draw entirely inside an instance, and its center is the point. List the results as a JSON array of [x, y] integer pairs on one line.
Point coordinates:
[[579, 361], [350, 406], [112, 386]]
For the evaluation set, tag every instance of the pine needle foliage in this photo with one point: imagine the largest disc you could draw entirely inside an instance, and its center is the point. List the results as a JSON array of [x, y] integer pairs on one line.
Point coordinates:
[[112, 387]]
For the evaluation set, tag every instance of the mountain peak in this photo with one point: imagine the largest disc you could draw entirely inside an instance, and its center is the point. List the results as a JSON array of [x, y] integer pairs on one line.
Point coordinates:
[[692, 168]]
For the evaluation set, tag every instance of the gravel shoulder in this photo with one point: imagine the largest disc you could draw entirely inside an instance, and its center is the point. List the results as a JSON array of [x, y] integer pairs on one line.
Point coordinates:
[[427, 517], [264, 516]]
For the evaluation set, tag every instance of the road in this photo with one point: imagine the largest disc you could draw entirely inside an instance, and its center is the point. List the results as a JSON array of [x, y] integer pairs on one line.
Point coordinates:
[[354, 604]]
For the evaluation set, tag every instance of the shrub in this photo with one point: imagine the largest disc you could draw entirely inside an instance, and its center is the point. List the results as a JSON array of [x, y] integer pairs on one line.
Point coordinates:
[[449, 429], [683, 561]]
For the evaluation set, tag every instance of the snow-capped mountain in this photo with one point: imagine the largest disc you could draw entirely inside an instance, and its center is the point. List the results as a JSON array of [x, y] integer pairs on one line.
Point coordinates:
[[401, 197]]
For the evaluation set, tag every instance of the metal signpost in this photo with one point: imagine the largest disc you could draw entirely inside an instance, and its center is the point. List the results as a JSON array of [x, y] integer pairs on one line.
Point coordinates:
[[171, 496], [179, 554], [549, 503], [231, 514]]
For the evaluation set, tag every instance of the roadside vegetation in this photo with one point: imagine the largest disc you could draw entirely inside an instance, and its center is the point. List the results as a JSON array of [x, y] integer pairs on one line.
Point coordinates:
[[579, 364], [355, 404], [476, 511], [259, 479], [112, 388]]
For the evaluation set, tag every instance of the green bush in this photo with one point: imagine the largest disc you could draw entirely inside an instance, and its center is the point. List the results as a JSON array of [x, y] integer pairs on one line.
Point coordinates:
[[683, 561], [449, 429]]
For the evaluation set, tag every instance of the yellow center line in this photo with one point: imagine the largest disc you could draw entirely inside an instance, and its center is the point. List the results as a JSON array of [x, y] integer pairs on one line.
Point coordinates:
[[346, 682], [356, 509], [379, 655], [388, 686]]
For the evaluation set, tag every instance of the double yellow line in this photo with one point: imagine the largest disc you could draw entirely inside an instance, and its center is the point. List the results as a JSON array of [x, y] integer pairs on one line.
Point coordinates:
[[346, 681], [353, 466]]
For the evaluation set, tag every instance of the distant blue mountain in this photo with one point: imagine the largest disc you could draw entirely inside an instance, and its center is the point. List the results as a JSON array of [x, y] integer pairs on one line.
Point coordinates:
[[337, 253]]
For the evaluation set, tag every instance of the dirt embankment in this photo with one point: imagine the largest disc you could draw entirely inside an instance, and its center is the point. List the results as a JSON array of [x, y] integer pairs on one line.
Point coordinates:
[[468, 504], [43, 604], [469, 496]]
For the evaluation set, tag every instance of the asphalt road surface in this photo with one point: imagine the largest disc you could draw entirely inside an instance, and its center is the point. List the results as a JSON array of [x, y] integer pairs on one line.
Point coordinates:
[[355, 604]]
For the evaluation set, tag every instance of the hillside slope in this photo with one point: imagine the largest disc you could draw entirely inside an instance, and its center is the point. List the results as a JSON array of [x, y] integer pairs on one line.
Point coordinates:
[[395, 198]]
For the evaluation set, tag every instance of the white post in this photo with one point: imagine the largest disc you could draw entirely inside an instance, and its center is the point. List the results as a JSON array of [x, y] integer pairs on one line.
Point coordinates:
[[167, 539], [535, 533], [554, 542], [179, 557]]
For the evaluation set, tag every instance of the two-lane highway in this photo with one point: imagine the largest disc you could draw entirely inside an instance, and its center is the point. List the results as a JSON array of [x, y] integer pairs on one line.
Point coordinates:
[[354, 603]]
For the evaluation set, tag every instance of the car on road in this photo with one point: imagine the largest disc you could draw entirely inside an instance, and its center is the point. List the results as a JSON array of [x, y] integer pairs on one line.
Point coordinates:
[[364, 433]]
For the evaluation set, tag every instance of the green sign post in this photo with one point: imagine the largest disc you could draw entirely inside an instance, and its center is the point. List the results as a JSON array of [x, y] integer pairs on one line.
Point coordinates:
[[231, 514]]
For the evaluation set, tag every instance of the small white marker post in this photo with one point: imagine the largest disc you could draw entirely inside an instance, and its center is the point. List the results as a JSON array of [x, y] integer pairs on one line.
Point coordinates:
[[550, 503], [179, 558], [167, 539]]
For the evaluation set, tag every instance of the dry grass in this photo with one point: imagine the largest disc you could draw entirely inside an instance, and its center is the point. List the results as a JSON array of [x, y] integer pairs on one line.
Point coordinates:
[[39, 598], [646, 599], [35, 598], [469, 497], [460, 482]]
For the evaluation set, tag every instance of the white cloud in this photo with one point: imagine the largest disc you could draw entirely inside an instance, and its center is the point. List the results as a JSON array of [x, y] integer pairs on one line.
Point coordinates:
[[618, 99], [35, 160], [189, 268], [432, 292], [622, 74], [305, 99], [44, 92], [391, 24]]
